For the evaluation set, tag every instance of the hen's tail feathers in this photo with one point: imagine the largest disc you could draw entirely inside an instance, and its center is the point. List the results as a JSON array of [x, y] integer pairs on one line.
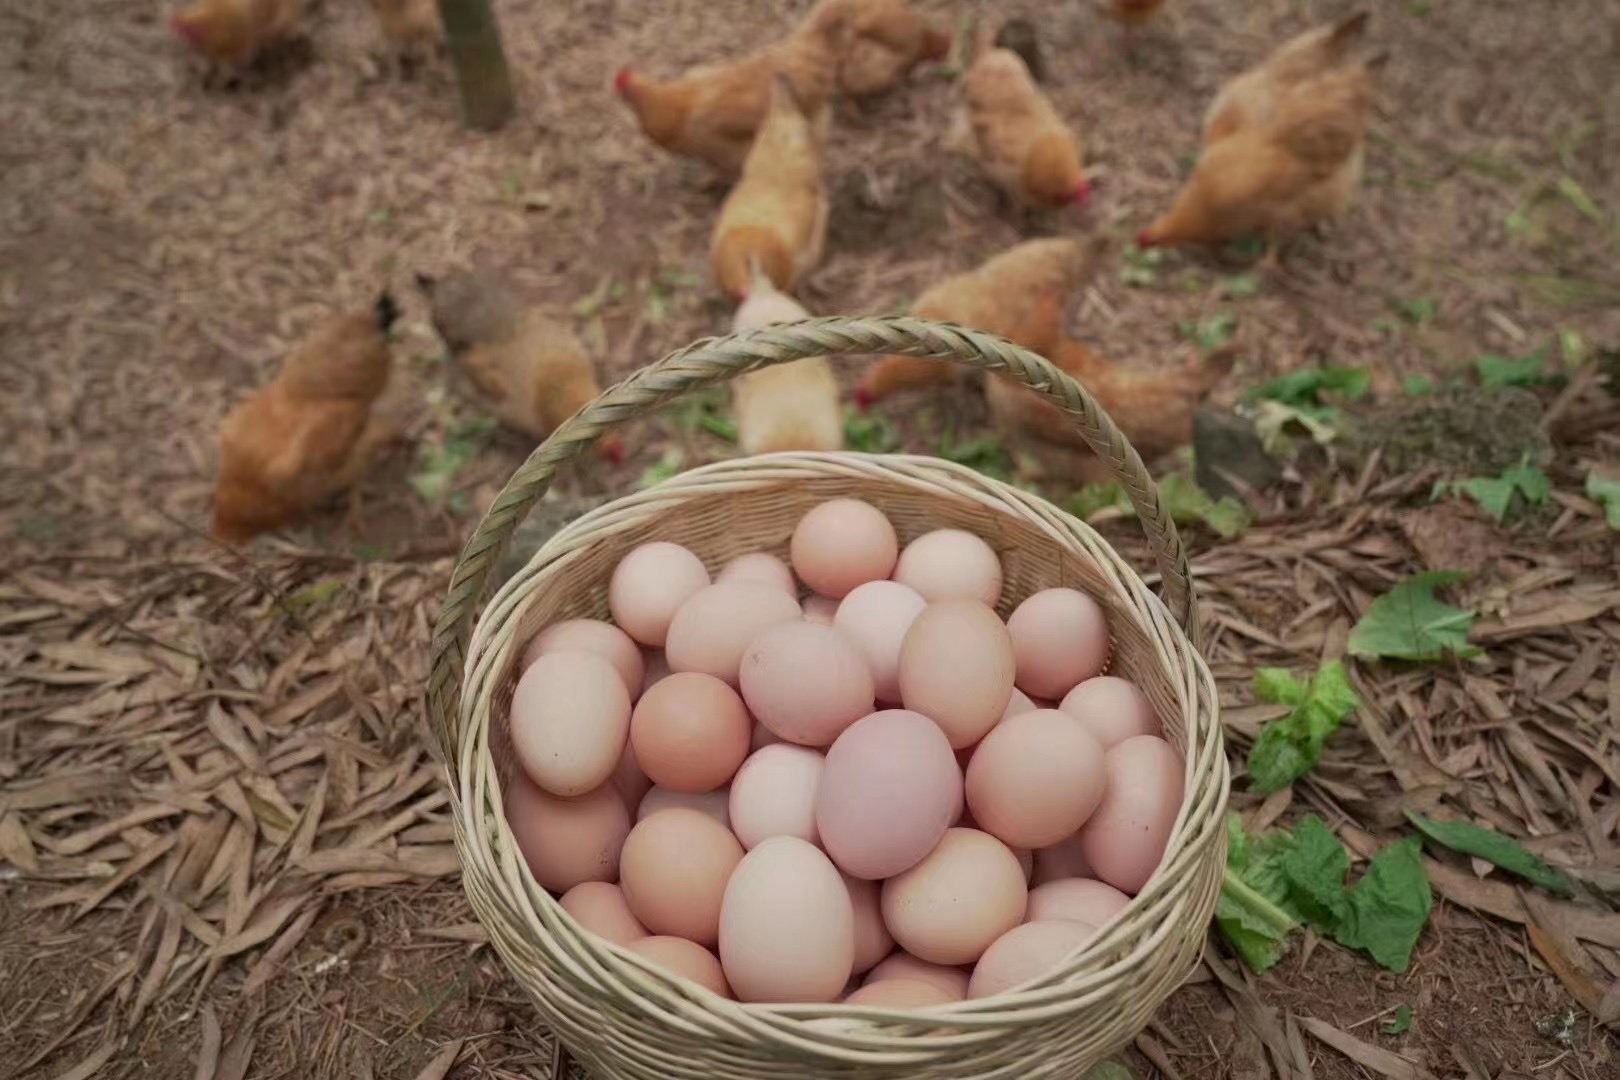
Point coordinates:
[[387, 312]]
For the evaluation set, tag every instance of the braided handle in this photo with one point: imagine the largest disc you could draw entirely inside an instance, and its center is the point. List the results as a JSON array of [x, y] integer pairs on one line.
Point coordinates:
[[716, 360]]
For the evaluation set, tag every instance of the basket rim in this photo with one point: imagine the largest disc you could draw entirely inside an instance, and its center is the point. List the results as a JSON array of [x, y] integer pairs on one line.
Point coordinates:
[[1059, 992]]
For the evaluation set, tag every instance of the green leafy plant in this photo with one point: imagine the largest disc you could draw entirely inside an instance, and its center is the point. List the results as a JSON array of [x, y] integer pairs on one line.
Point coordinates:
[[1290, 747], [672, 462], [1410, 623], [439, 463], [702, 411], [1311, 387], [1187, 503], [1401, 1022], [1605, 491], [1418, 310], [1210, 332], [870, 433], [1241, 286], [1417, 385], [1140, 269], [1278, 880], [1496, 372], [1577, 197], [1498, 494], [1495, 848], [983, 454]]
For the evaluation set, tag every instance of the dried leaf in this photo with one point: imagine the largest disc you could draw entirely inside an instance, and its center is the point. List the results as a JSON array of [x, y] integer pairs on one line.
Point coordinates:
[[1381, 1061], [208, 1053], [92, 1065], [265, 968], [439, 1067], [16, 847], [1561, 952]]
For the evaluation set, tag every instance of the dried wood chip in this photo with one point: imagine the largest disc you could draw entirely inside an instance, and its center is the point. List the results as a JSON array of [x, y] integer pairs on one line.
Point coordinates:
[[1381, 1061]]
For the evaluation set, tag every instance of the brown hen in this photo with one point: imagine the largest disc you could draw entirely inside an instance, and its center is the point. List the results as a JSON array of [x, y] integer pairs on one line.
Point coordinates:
[[1018, 136]]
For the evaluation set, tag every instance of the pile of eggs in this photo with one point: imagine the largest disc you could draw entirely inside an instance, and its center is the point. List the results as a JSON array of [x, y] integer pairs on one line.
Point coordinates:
[[880, 794]]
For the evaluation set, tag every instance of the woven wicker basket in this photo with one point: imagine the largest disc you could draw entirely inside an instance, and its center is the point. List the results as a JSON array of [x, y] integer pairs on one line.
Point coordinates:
[[628, 1020]]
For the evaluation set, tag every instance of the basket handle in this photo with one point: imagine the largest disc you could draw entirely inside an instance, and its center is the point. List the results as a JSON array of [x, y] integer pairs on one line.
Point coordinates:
[[716, 360]]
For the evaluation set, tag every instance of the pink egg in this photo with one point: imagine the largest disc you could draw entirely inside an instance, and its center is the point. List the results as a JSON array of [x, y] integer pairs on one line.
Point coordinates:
[[876, 616], [1063, 859], [805, 682], [902, 965], [569, 722], [1060, 636], [649, 585], [1076, 899], [889, 790], [690, 732], [841, 544], [1125, 838], [787, 928], [1112, 709], [761, 567], [928, 907], [899, 994], [774, 794], [872, 940], [566, 841], [819, 609], [715, 804], [592, 636], [1035, 778], [951, 564], [956, 668], [1026, 953], [685, 958], [599, 907], [713, 629]]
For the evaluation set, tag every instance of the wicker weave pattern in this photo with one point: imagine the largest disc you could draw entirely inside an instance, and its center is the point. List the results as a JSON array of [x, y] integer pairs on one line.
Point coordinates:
[[626, 1019]]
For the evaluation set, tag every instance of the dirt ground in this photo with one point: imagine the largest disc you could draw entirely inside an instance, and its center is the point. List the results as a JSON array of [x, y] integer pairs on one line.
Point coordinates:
[[162, 244]]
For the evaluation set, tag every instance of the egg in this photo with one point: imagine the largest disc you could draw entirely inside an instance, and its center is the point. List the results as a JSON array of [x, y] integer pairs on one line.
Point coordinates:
[[900, 994], [774, 794], [950, 906], [872, 939], [819, 609], [903, 966], [715, 804], [761, 567], [690, 732], [805, 682], [1126, 836], [712, 630], [1060, 637], [841, 544], [674, 870], [1112, 709], [592, 636], [1076, 899], [956, 668], [685, 958], [599, 907], [1025, 953], [876, 616], [631, 783], [951, 564], [1063, 859], [649, 585], [569, 722], [566, 841], [1035, 778], [889, 790], [787, 928]]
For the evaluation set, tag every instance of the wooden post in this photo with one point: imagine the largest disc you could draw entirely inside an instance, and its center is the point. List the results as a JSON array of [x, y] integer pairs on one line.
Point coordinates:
[[475, 48]]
